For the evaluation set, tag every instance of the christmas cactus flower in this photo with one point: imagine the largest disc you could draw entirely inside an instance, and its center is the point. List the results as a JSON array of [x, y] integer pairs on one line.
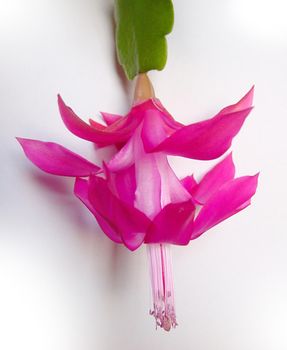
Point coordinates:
[[136, 197]]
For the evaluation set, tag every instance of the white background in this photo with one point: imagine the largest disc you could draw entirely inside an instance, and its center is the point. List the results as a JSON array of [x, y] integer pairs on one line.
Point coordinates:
[[63, 284]]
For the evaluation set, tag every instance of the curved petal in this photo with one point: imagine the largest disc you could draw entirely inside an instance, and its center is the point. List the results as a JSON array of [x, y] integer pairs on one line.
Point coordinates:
[[127, 220], [214, 179], [211, 138], [122, 183], [124, 158], [245, 102], [232, 197], [117, 132], [172, 225], [81, 191], [205, 140], [56, 159], [154, 130], [172, 190]]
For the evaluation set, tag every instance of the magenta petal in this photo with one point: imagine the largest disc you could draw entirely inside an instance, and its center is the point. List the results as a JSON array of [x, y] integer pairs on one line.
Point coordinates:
[[96, 133], [154, 130], [55, 159], [81, 191], [97, 125], [211, 138], [148, 180], [245, 102], [127, 220], [232, 197], [173, 224], [122, 183], [124, 158], [189, 183], [213, 180], [205, 140], [110, 118]]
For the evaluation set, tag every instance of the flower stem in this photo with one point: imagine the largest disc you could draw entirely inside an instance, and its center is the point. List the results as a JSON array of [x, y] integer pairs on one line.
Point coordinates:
[[162, 285]]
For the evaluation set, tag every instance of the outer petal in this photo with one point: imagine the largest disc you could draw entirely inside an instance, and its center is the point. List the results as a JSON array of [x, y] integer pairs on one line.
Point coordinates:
[[245, 102], [116, 133], [213, 180], [55, 159], [233, 196], [127, 220], [205, 140], [81, 191], [173, 224], [211, 138]]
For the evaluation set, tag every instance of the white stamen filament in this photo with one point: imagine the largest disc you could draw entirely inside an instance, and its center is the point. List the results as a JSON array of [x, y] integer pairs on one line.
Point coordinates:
[[162, 285]]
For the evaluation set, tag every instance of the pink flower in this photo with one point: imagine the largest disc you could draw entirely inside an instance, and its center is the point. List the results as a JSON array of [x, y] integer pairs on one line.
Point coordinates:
[[137, 198]]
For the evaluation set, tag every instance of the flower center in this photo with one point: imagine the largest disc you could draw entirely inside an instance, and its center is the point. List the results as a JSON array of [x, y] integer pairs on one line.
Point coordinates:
[[162, 285]]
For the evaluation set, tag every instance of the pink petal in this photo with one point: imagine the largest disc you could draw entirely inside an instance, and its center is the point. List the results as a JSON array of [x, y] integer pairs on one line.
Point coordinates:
[[124, 158], [110, 118], [118, 132], [205, 140], [81, 191], [211, 138], [55, 159], [245, 102], [148, 191], [214, 179], [172, 190], [97, 125], [122, 183], [189, 183], [172, 225], [125, 219], [154, 130], [232, 197]]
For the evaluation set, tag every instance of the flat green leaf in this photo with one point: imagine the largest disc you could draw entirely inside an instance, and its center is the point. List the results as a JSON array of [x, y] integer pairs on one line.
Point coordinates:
[[141, 26]]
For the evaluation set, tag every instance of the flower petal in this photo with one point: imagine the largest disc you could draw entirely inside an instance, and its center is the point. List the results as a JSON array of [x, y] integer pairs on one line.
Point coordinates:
[[213, 180], [211, 138], [56, 159], [205, 140], [117, 132], [124, 158], [127, 220], [172, 225], [110, 118], [122, 183], [232, 197], [189, 183], [148, 180], [154, 130], [172, 190], [81, 191], [245, 102]]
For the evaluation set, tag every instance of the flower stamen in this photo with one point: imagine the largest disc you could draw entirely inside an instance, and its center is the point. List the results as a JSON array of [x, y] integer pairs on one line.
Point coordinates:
[[162, 286]]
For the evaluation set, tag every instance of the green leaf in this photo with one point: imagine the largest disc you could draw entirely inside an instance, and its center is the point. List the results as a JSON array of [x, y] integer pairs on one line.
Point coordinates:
[[141, 26]]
